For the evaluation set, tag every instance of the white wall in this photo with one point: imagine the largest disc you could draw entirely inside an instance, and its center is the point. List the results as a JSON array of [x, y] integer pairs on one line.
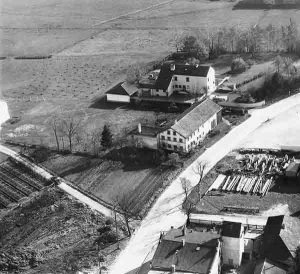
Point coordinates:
[[146, 141], [211, 80], [232, 249], [194, 82], [214, 268], [187, 143], [117, 98]]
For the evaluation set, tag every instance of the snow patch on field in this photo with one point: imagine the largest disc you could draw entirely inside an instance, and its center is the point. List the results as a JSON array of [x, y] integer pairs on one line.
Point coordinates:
[[283, 130], [280, 209], [4, 114]]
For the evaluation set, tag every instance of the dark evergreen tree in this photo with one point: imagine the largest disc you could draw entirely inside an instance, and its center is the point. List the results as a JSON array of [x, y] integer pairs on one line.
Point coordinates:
[[106, 139]]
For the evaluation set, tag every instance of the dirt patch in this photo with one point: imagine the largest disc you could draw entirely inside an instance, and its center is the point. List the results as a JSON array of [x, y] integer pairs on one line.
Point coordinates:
[[53, 232]]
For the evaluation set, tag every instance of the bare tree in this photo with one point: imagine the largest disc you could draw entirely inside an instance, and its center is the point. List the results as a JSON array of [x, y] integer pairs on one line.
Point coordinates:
[[199, 170], [124, 204], [186, 187], [95, 140], [189, 203], [55, 127], [70, 129], [177, 39]]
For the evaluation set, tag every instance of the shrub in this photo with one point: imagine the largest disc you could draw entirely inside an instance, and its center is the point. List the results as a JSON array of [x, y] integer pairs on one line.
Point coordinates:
[[238, 65]]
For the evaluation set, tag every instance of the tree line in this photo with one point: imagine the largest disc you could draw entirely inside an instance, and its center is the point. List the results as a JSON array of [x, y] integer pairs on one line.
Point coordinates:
[[68, 132], [210, 43]]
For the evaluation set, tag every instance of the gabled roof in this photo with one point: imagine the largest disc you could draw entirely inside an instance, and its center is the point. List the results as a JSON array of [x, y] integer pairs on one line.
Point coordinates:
[[195, 256], [166, 73], [232, 229], [195, 116], [122, 88]]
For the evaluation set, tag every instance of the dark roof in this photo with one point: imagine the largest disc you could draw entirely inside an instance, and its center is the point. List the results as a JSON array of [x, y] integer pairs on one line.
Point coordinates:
[[122, 88], [166, 74], [191, 236], [164, 78], [186, 258], [195, 116], [273, 225], [147, 131], [232, 229], [281, 238]]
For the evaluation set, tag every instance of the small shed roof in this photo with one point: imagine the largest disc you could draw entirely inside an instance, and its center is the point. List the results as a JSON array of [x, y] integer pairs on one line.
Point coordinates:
[[122, 88]]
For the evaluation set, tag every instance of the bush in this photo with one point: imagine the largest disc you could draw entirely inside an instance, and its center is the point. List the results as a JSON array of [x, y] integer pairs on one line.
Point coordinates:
[[238, 65], [104, 229], [107, 237]]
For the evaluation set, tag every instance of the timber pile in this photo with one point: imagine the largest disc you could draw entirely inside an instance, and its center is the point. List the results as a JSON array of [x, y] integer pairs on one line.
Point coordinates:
[[242, 184]]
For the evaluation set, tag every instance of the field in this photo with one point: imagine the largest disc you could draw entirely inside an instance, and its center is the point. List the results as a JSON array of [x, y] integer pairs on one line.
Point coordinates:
[[92, 53], [60, 237]]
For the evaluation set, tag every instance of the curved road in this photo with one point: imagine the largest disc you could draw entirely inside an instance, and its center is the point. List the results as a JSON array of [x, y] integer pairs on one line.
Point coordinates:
[[166, 211]]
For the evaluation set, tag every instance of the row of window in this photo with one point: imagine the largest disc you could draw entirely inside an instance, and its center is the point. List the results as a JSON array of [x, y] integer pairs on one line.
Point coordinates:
[[174, 147], [182, 86], [170, 139], [187, 79]]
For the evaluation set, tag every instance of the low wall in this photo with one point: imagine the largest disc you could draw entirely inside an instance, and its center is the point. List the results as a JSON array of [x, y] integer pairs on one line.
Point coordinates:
[[242, 105]]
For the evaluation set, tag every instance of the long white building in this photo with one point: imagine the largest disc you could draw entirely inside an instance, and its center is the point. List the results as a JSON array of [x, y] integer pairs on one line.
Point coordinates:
[[188, 130]]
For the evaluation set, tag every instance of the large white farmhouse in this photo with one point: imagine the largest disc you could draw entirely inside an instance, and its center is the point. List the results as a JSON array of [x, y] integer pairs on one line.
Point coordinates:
[[176, 78], [188, 130]]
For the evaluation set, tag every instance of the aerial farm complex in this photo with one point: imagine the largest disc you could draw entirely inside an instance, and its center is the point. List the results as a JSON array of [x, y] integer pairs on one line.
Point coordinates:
[[157, 137]]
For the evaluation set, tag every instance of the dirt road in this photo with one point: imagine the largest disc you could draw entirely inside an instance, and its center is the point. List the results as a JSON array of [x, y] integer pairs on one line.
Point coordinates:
[[166, 211], [63, 185]]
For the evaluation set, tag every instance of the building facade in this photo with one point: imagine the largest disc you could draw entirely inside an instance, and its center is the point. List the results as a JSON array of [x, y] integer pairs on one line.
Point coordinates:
[[176, 78], [189, 131]]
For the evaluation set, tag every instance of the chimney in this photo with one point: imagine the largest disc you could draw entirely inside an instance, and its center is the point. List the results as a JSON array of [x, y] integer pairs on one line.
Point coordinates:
[[139, 128], [172, 67], [183, 242], [175, 121], [173, 268]]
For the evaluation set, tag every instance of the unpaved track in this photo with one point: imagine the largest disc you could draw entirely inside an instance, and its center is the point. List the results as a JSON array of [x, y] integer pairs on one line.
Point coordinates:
[[166, 211], [63, 185], [113, 19]]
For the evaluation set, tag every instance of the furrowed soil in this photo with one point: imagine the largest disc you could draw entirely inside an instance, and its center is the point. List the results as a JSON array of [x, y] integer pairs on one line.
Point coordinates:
[[60, 237]]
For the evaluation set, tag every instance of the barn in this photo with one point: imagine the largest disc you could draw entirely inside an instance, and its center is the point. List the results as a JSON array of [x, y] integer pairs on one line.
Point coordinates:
[[121, 93]]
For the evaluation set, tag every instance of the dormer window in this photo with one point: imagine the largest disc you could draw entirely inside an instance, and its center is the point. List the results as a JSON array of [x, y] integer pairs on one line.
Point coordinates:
[[175, 78], [187, 79]]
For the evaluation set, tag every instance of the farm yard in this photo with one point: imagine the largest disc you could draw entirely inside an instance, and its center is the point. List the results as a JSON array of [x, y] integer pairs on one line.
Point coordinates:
[[239, 188]]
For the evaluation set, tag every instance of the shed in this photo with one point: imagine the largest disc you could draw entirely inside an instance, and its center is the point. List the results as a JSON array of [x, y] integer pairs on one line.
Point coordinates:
[[121, 92]]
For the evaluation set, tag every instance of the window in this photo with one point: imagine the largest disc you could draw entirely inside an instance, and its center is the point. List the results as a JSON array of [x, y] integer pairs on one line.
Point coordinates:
[[175, 147], [181, 148], [180, 140], [169, 138], [174, 132], [168, 132], [187, 79], [174, 140], [157, 90], [169, 146], [179, 86], [175, 78], [163, 137], [164, 145], [176, 86], [187, 87]]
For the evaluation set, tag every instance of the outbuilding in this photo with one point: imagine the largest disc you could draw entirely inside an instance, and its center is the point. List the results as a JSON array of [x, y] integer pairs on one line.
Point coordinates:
[[121, 93]]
